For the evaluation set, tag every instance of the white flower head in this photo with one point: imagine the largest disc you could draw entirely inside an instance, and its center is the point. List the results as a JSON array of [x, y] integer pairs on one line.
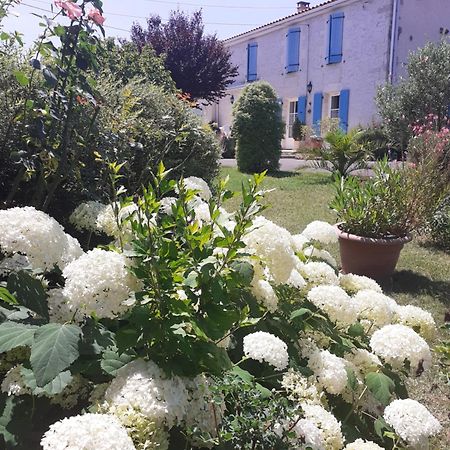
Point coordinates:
[[199, 185], [143, 386], [296, 280], [37, 236], [335, 302], [309, 434], [318, 273], [353, 283], [299, 241], [273, 245], [85, 215], [359, 444], [397, 344], [264, 293], [265, 347], [329, 371], [319, 254], [87, 432], [98, 282], [411, 421], [418, 319], [377, 308], [321, 232]]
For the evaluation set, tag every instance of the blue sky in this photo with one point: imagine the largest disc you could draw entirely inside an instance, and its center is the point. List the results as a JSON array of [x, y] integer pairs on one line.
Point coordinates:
[[224, 17]]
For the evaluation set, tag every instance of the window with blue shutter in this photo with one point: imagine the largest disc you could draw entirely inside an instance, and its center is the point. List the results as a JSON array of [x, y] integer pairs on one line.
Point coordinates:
[[317, 111], [301, 110], [344, 100], [293, 50], [252, 59], [335, 37]]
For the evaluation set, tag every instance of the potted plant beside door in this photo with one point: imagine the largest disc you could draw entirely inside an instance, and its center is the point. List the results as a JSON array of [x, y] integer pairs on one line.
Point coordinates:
[[377, 217]]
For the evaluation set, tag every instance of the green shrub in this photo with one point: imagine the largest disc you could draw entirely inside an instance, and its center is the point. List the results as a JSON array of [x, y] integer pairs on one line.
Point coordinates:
[[297, 130], [340, 152], [440, 225], [257, 128]]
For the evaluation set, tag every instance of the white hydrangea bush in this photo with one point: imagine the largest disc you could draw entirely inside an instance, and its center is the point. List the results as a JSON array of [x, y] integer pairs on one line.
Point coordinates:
[[191, 307]]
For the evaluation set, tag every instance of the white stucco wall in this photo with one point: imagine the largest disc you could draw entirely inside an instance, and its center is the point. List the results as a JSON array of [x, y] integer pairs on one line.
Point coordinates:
[[366, 54], [419, 22]]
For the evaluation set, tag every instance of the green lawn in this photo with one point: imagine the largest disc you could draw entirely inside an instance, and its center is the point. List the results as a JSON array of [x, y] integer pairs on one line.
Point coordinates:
[[422, 277]]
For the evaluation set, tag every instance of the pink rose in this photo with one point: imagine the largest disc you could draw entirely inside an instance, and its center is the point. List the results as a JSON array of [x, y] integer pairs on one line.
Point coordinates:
[[72, 9], [96, 16]]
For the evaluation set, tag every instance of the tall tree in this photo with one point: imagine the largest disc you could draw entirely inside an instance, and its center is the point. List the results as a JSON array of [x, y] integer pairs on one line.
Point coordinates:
[[200, 64]]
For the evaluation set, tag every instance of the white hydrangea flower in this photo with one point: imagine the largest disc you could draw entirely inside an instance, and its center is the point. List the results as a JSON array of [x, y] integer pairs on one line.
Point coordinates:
[[353, 283], [331, 429], [299, 242], [359, 444], [98, 282], [264, 293], [201, 211], [397, 343], [87, 432], [309, 435], [85, 215], [296, 280], [418, 319], [145, 433], [374, 307], [323, 255], [108, 223], [298, 387], [273, 245], [166, 205], [329, 370], [263, 346], [412, 421], [14, 263], [321, 232], [38, 236], [318, 273], [142, 385], [13, 382], [335, 302], [199, 185], [363, 361]]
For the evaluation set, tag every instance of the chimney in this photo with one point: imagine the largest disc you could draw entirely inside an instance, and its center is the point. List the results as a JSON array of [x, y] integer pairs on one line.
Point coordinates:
[[302, 6]]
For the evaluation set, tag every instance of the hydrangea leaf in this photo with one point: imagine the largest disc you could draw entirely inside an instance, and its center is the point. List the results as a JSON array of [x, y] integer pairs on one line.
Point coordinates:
[[29, 292], [55, 348], [14, 335], [381, 386], [112, 361], [56, 386]]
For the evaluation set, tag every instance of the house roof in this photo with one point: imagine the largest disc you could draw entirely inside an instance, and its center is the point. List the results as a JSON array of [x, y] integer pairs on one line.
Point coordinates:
[[281, 20]]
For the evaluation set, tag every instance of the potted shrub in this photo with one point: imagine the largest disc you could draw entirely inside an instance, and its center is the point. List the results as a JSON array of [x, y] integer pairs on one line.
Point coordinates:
[[376, 217]]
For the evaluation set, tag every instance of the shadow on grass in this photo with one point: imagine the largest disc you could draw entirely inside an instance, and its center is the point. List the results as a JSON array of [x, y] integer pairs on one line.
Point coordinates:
[[409, 282], [281, 174]]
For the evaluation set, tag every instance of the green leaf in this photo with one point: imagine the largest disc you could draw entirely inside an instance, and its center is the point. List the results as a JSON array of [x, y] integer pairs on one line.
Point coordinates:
[[265, 393], [352, 381], [56, 386], [4, 36], [7, 297], [244, 270], [381, 386], [14, 335], [356, 330], [112, 361], [21, 78], [380, 426], [300, 313], [55, 348], [29, 292], [242, 374]]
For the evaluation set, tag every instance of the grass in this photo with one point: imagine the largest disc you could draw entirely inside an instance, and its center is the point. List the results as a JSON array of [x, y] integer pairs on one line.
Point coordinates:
[[422, 277]]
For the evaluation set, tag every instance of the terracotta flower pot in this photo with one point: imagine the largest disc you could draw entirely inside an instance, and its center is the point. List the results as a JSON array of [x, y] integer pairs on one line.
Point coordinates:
[[374, 258]]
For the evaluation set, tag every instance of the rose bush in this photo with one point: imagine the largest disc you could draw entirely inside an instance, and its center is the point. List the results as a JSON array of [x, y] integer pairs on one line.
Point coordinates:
[[196, 327]]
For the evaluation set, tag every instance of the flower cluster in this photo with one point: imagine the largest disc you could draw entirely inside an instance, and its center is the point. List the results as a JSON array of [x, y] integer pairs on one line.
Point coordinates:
[[265, 347], [25, 230], [89, 431], [75, 12]]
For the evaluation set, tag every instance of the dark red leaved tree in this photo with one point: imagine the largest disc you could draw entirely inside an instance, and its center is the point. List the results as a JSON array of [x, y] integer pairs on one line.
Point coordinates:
[[200, 64]]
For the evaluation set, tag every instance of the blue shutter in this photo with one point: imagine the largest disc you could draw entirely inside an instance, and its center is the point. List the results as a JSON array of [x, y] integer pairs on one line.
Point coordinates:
[[317, 111], [343, 109], [252, 58], [301, 110], [293, 50], [335, 35]]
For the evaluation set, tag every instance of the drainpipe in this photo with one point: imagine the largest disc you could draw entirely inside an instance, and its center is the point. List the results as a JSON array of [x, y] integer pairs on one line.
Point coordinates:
[[395, 13]]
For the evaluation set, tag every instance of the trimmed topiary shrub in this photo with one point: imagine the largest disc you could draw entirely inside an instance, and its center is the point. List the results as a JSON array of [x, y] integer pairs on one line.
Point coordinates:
[[257, 129]]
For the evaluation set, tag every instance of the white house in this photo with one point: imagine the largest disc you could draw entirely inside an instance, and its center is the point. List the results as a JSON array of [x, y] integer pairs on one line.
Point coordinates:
[[327, 60]]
